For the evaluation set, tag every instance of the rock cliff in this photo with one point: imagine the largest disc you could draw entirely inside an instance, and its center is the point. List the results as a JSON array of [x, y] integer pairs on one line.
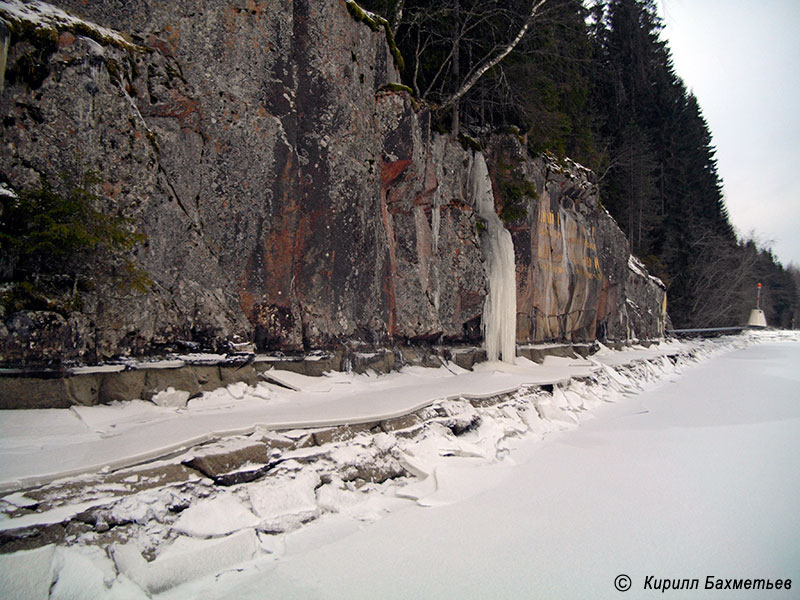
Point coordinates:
[[290, 194]]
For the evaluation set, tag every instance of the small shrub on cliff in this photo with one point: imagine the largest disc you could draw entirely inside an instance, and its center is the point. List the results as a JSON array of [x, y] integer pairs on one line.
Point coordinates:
[[514, 191], [52, 243]]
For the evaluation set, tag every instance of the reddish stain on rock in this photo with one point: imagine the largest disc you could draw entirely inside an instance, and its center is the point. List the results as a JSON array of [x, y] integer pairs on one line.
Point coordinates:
[[160, 45], [392, 170], [65, 39]]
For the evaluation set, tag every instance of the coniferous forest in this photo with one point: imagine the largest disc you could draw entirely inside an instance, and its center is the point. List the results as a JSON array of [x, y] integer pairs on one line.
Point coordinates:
[[595, 82]]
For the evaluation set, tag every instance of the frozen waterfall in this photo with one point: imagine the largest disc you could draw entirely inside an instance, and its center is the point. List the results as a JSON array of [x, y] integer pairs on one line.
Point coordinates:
[[500, 306]]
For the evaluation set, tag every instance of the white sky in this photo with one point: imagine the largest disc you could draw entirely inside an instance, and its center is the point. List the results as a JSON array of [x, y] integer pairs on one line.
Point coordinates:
[[741, 58]]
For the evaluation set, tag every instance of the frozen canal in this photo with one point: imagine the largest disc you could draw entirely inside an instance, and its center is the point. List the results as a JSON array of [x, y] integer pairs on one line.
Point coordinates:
[[555, 480], [697, 478]]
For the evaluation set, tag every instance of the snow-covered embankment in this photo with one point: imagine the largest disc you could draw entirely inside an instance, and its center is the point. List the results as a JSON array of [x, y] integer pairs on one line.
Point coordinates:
[[337, 478]]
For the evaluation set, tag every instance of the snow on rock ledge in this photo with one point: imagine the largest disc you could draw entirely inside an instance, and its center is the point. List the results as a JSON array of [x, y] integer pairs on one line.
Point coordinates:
[[43, 15]]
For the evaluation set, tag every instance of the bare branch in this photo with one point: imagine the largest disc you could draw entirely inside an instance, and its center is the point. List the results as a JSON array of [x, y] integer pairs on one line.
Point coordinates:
[[491, 62], [398, 14]]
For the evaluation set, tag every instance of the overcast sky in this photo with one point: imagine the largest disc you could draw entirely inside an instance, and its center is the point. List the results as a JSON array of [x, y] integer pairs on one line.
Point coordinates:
[[741, 58]]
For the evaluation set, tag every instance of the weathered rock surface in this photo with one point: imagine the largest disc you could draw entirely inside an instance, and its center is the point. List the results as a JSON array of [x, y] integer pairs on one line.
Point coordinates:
[[288, 198], [575, 280]]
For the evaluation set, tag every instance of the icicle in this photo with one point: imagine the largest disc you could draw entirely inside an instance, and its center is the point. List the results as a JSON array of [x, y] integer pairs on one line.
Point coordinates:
[[500, 306]]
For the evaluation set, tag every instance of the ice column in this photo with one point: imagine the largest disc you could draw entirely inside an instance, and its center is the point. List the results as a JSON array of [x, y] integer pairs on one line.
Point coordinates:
[[500, 306]]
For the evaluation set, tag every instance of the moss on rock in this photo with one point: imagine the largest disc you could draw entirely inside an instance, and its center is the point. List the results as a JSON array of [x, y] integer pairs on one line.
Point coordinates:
[[376, 23], [396, 87], [43, 30]]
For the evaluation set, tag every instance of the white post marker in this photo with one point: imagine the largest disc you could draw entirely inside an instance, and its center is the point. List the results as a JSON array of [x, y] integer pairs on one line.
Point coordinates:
[[757, 318]]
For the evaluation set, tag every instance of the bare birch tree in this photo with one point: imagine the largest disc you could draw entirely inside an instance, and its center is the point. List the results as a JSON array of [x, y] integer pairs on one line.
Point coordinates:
[[449, 45], [478, 70]]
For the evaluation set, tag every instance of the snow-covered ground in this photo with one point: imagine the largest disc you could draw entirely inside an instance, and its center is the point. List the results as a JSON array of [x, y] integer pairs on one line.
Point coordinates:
[[685, 465], [39, 446]]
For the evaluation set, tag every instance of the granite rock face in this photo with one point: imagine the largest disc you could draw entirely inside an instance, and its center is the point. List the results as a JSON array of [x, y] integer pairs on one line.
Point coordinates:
[[575, 279], [289, 198]]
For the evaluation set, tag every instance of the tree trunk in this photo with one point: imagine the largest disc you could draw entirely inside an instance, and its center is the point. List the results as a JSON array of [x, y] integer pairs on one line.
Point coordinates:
[[456, 66]]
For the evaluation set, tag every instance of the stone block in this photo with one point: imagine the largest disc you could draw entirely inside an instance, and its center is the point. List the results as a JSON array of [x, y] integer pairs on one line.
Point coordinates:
[[340, 434], [380, 362], [469, 358], [34, 392], [585, 350], [534, 354], [565, 351], [376, 472], [246, 373], [125, 385], [293, 366], [317, 366], [411, 355], [181, 378], [399, 423], [216, 465], [208, 377], [84, 389]]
